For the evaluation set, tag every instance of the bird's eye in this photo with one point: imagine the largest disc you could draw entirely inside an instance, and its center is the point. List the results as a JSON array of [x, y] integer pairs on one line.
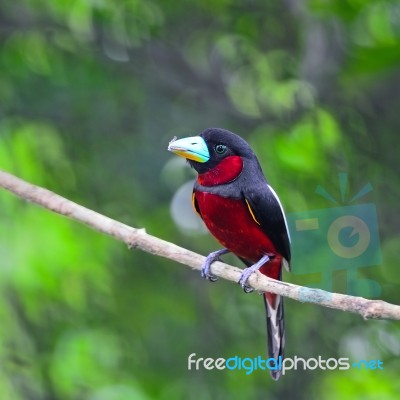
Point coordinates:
[[220, 148]]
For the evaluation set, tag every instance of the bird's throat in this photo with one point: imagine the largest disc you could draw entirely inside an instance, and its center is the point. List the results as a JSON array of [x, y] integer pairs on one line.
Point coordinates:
[[226, 171]]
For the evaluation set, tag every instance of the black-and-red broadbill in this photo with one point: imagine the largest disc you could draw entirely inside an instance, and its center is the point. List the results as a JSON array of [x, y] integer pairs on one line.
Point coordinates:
[[243, 212]]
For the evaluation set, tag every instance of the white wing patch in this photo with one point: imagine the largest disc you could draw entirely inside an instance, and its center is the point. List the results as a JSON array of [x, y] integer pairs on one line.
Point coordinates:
[[285, 262], [283, 212]]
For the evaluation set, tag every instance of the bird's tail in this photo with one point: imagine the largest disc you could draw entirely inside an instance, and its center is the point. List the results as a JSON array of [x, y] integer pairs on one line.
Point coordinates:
[[275, 329]]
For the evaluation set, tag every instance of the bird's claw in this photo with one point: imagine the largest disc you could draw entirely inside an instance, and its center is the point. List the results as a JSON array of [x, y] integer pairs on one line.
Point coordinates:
[[207, 275], [248, 271], [244, 278], [206, 268]]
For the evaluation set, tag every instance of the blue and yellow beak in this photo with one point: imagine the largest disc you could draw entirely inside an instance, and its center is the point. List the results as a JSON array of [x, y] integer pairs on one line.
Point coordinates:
[[193, 148]]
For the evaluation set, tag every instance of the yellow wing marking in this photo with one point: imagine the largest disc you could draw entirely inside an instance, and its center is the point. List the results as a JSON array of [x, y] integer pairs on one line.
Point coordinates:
[[196, 210], [251, 212]]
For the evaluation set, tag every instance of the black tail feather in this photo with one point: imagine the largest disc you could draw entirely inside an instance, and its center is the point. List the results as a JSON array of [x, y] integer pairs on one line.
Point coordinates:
[[275, 330]]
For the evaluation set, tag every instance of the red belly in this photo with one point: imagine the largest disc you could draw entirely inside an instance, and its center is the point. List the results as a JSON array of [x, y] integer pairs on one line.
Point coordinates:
[[231, 223]]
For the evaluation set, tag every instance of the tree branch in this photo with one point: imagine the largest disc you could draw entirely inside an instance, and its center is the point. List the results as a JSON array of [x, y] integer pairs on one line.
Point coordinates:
[[138, 238]]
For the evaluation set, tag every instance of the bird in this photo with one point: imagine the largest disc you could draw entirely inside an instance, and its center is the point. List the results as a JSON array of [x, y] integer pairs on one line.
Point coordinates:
[[243, 212]]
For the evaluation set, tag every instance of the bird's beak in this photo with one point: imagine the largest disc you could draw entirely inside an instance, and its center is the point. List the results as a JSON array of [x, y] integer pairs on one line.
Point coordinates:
[[193, 148]]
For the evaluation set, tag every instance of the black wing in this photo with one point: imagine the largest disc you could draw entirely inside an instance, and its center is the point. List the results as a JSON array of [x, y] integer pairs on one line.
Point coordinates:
[[266, 209]]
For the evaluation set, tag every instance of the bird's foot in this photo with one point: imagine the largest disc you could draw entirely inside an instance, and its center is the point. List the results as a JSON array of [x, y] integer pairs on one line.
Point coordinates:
[[206, 268], [250, 270]]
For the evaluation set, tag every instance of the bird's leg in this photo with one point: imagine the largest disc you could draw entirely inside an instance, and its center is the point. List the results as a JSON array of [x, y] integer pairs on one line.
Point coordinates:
[[248, 271], [206, 268]]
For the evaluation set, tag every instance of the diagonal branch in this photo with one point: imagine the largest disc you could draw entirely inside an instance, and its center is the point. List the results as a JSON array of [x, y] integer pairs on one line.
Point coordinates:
[[138, 238]]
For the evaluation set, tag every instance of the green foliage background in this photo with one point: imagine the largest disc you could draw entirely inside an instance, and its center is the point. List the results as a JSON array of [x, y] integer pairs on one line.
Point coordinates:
[[90, 94]]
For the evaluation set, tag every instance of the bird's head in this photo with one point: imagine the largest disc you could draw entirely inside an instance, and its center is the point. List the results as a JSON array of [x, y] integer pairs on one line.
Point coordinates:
[[210, 148]]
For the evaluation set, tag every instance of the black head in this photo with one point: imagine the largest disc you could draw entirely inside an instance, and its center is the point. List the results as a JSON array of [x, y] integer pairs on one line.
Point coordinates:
[[206, 151]]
